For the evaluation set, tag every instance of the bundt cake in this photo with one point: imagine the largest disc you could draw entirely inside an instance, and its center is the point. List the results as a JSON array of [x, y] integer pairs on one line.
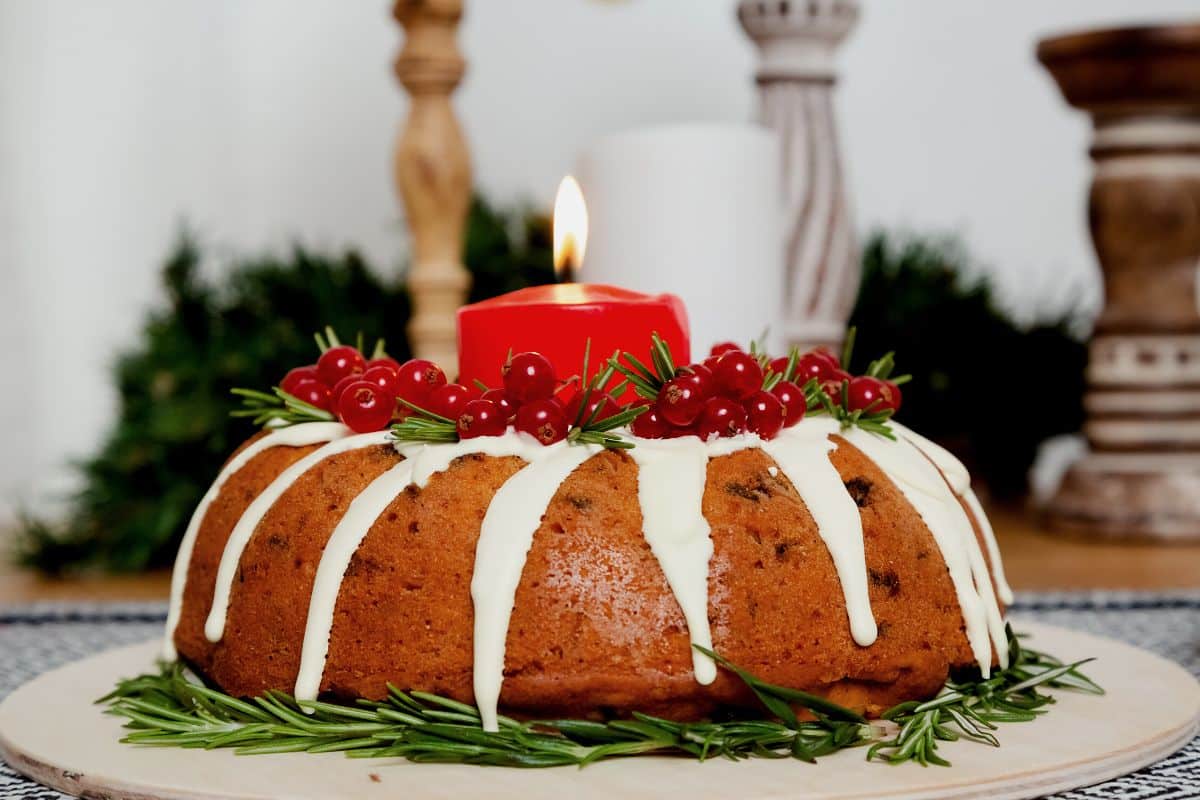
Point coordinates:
[[570, 579]]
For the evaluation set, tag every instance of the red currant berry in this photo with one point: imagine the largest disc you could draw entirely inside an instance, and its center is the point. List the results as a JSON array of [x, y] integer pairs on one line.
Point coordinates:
[[892, 397], [738, 375], [813, 364], [649, 424], [866, 394], [544, 420], [794, 404], [600, 405], [721, 417], [833, 361], [680, 402], [384, 377], [765, 414], [335, 394], [384, 361], [338, 362], [701, 376], [721, 348], [364, 407], [449, 401], [529, 376], [507, 407], [481, 418], [312, 392], [294, 376], [779, 365], [832, 385], [418, 380]]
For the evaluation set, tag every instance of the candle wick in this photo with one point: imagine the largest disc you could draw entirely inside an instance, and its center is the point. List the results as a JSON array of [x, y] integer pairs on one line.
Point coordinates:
[[565, 268]]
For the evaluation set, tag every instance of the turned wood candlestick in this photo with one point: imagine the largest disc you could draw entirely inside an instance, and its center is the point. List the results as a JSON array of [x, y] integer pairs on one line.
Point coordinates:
[[433, 174], [796, 76], [1141, 86]]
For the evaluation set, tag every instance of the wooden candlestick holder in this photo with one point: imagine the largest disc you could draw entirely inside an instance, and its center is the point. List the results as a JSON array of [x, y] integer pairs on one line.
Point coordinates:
[[1141, 86], [796, 77], [433, 174]]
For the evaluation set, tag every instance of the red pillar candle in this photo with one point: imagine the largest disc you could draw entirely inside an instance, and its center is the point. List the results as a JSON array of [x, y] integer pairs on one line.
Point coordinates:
[[557, 321]]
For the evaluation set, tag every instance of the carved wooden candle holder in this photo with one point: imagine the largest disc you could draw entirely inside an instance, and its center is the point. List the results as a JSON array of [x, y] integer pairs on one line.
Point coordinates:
[[797, 42], [1141, 87], [433, 174]]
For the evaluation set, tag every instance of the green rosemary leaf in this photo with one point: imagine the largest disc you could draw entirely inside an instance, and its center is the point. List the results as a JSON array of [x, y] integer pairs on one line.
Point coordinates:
[[662, 353], [848, 346], [811, 702], [618, 420], [424, 414]]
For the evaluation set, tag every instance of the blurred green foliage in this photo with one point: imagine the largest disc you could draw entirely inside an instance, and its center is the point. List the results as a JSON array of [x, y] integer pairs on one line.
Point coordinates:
[[982, 385], [986, 387], [173, 429]]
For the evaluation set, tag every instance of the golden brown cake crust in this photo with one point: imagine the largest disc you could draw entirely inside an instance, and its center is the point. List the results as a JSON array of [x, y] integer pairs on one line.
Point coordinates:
[[595, 630]]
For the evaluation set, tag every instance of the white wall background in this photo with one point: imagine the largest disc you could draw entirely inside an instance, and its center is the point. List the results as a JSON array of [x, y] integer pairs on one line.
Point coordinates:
[[260, 122]]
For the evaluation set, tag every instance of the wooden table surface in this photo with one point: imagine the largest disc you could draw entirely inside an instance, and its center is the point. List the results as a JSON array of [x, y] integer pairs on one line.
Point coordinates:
[[1034, 559]]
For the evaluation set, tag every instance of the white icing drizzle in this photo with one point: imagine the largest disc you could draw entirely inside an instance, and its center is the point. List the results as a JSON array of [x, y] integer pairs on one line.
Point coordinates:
[[351, 529], [505, 537], [989, 538], [421, 462], [429, 460], [928, 493], [293, 436], [671, 478], [214, 626], [802, 452], [960, 479]]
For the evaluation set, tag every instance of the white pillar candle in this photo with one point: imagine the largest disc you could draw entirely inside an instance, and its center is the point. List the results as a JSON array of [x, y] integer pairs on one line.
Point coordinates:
[[691, 209]]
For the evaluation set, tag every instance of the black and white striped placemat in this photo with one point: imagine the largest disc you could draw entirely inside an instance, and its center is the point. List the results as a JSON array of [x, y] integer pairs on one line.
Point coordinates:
[[35, 638]]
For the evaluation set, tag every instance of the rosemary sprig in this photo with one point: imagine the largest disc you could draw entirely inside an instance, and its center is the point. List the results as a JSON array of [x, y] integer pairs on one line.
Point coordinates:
[[171, 709], [424, 426], [277, 408], [647, 382], [972, 709], [600, 431]]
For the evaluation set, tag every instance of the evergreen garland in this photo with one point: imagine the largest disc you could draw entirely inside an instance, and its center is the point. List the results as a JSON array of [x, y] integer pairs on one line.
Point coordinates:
[[173, 429]]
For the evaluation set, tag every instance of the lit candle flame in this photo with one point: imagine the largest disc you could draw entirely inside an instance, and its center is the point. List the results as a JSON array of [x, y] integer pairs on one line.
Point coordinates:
[[570, 229]]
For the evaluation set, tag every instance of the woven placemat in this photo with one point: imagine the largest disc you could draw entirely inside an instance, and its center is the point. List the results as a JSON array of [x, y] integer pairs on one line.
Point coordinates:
[[35, 638]]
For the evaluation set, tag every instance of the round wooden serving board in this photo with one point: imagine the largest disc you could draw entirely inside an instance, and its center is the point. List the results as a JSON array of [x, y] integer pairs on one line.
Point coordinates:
[[51, 731]]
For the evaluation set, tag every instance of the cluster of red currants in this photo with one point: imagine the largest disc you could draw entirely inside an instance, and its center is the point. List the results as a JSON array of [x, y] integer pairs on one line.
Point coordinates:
[[727, 394], [532, 401], [365, 395], [721, 396], [362, 393], [865, 393]]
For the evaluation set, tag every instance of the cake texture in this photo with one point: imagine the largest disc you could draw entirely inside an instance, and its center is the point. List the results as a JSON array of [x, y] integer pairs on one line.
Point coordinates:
[[571, 580]]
